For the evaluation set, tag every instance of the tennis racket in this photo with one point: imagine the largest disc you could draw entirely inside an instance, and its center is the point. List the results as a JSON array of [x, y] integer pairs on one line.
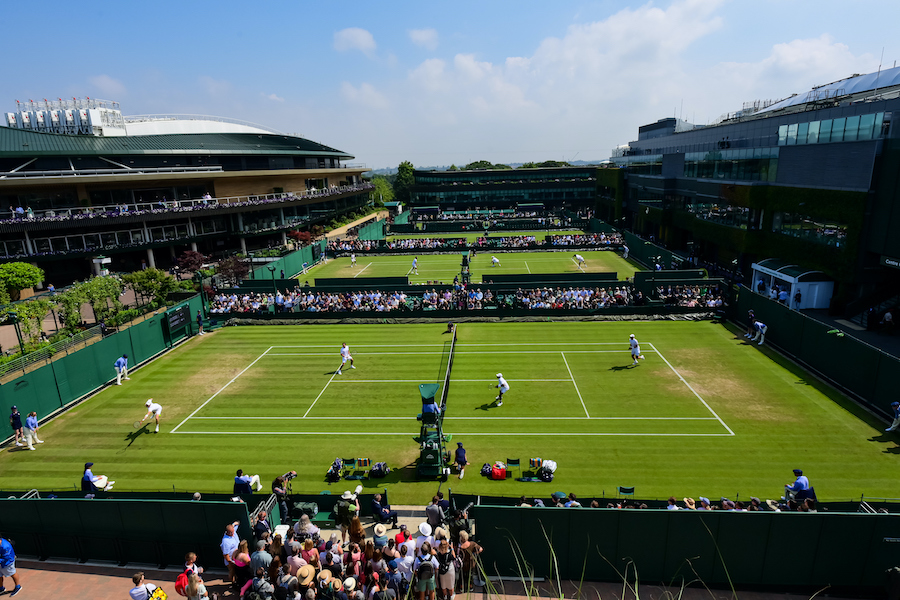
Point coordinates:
[[137, 424]]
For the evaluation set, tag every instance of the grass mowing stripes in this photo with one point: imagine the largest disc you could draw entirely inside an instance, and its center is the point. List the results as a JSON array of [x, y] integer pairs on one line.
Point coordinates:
[[705, 413], [443, 267]]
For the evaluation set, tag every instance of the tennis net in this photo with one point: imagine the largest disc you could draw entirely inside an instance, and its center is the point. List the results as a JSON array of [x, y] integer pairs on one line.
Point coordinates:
[[447, 373]]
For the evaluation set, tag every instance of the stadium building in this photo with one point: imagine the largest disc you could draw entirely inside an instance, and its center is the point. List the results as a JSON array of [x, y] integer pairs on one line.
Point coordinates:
[[78, 179], [811, 181], [571, 188]]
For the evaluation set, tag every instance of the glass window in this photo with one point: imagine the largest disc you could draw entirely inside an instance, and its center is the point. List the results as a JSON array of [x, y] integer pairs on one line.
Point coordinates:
[[851, 129], [802, 132], [108, 239], [837, 130], [15, 248], [879, 121], [42, 246], [124, 238], [76, 242], [825, 131], [782, 135], [792, 134], [866, 127], [813, 135]]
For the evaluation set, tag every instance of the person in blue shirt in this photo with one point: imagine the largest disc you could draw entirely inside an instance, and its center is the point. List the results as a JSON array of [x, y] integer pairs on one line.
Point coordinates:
[[801, 484], [895, 406], [761, 329], [31, 429], [121, 366], [199, 322], [8, 566]]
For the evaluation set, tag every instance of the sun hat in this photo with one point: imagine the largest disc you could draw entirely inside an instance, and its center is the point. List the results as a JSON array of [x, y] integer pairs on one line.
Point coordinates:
[[729, 503], [86, 465], [425, 529], [348, 495], [690, 503], [631, 336], [440, 533], [349, 584], [499, 374], [324, 575], [306, 574], [704, 500], [380, 530]]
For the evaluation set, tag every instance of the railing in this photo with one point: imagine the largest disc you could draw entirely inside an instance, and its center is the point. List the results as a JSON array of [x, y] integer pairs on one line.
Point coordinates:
[[88, 172], [174, 206], [45, 354]]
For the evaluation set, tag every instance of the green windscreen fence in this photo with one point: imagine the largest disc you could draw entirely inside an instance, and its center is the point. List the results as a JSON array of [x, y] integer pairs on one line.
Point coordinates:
[[292, 263], [647, 252], [402, 218], [716, 547], [64, 380], [372, 231], [148, 531]]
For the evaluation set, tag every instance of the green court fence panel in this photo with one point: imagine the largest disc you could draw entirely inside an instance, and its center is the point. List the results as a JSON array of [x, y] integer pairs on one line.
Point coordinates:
[[763, 548], [55, 385], [157, 532], [291, 263], [402, 218], [372, 231], [859, 368]]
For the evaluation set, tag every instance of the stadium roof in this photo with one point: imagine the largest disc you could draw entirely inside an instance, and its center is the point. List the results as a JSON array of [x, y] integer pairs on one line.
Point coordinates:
[[857, 84], [18, 142]]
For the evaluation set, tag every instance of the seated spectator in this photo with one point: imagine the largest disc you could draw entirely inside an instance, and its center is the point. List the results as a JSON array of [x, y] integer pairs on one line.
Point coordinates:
[[798, 490]]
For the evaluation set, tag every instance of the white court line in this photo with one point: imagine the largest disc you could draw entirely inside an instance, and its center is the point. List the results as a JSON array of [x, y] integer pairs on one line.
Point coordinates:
[[333, 375], [587, 414], [420, 381], [363, 269], [526, 266], [220, 391], [457, 352], [492, 434], [467, 344], [708, 407], [406, 418]]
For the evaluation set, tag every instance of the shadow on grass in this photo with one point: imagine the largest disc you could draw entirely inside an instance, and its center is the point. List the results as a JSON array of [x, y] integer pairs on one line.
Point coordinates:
[[622, 368], [133, 436], [487, 406], [886, 438]]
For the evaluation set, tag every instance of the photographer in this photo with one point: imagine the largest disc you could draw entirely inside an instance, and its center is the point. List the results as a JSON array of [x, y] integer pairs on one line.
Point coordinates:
[[460, 523], [281, 488]]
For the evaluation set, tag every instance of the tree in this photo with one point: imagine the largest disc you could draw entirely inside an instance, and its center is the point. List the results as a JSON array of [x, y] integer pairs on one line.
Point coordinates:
[[453, 168], [69, 303], [233, 269], [384, 191], [103, 295], [152, 283], [17, 276], [403, 182], [301, 237], [191, 261], [479, 164]]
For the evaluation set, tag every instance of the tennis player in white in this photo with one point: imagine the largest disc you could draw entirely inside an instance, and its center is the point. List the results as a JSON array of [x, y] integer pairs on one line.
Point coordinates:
[[345, 356], [504, 387], [153, 411], [580, 260], [495, 262], [353, 259], [635, 349], [415, 266]]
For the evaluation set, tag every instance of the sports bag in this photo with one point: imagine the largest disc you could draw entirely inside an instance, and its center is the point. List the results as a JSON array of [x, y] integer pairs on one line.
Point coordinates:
[[498, 471], [310, 509], [549, 465], [486, 470], [379, 470], [181, 583]]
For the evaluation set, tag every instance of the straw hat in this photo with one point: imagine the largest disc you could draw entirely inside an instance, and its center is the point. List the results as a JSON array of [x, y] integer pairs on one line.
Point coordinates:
[[425, 529], [306, 574], [380, 530], [690, 503], [349, 584]]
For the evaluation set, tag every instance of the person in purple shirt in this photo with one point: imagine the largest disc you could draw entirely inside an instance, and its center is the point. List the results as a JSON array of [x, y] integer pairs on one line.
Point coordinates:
[[31, 429]]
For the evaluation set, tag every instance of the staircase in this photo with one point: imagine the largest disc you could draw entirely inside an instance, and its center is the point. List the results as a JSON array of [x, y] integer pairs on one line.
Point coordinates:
[[862, 319]]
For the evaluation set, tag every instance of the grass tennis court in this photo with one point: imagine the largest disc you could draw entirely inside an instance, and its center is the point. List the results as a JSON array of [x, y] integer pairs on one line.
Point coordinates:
[[444, 267], [705, 413]]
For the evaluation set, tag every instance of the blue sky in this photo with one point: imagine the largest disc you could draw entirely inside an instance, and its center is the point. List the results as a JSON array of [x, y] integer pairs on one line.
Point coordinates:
[[443, 83]]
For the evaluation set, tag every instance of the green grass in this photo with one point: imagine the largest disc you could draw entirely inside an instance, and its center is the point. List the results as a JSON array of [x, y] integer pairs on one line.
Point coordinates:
[[443, 267], [284, 409], [471, 237]]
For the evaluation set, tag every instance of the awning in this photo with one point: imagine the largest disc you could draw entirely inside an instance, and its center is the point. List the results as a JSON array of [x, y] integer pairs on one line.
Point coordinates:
[[789, 272]]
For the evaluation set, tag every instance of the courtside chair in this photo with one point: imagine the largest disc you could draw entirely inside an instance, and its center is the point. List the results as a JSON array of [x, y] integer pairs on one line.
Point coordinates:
[[514, 462], [364, 464], [625, 491], [349, 466]]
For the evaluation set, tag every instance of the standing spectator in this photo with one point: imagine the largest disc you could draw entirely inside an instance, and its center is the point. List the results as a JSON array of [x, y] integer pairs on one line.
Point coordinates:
[[141, 590], [199, 322], [425, 567], [895, 406], [121, 366], [468, 552], [8, 566], [798, 298], [751, 319], [260, 558], [190, 564], [262, 525], [446, 569], [460, 459], [15, 421], [195, 589], [383, 512], [229, 544], [434, 513], [404, 535]]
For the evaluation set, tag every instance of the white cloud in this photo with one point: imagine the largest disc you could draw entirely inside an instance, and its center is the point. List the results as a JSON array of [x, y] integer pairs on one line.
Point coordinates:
[[274, 97], [365, 96], [354, 38], [113, 88], [424, 38]]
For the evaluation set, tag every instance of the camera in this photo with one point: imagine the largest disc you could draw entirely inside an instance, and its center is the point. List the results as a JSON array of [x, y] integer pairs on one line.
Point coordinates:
[[357, 491], [289, 475]]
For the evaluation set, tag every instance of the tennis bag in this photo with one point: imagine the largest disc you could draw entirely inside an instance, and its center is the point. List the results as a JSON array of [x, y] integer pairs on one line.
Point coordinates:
[[310, 509], [486, 470], [548, 468], [498, 471], [379, 470]]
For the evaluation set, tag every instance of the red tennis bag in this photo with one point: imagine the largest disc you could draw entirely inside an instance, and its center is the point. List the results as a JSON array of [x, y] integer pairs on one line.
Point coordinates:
[[498, 471]]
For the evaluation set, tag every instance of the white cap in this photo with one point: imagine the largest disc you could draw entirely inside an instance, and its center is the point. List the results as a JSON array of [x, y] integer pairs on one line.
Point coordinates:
[[148, 402], [499, 374], [631, 336]]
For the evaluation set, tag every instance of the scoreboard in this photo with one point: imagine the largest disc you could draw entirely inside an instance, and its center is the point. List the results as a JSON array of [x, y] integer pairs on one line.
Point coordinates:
[[179, 318]]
